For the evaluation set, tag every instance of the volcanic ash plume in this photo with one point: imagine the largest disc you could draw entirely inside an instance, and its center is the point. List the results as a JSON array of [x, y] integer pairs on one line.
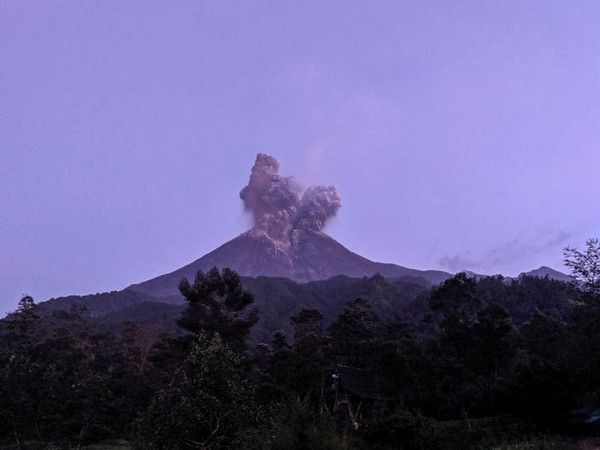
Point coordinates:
[[319, 204], [276, 205], [272, 199]]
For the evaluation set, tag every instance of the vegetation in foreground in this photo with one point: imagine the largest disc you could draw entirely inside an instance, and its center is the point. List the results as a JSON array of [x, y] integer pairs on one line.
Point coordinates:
[[475, 368]]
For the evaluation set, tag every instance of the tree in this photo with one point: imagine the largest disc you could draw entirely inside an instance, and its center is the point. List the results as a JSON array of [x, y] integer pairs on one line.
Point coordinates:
[[217, 304], [207, 404], [492, 350], [585, 266], [278, 370], [309, 335], [136, 343], [473, 344], [298, 426], [23, 324], [400, 360], [355, 334], [309, 350], [20, 373], [544, 385], [456, 300]]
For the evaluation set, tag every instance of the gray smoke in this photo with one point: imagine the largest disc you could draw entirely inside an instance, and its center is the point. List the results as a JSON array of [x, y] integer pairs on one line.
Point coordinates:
[[318, 205], [276, 205]]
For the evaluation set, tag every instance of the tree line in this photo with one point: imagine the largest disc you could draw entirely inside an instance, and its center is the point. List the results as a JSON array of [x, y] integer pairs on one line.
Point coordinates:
[[466, 352]]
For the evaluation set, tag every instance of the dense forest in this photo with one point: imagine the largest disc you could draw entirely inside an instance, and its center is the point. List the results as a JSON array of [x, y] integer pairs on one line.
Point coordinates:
[[471, 363]]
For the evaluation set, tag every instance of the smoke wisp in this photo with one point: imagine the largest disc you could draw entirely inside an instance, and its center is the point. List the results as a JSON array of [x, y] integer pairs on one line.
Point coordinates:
[[279, 205]]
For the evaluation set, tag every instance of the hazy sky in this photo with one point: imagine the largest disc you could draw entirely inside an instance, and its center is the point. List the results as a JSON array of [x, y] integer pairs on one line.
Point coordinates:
[[460, 134]]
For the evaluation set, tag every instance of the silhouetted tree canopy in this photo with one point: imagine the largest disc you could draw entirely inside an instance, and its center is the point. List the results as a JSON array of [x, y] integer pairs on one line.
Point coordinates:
[[585, 266], [430, 370], [217, 303]]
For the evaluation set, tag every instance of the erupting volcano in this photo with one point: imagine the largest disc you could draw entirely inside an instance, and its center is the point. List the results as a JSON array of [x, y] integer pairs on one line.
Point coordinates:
[[287, 238]]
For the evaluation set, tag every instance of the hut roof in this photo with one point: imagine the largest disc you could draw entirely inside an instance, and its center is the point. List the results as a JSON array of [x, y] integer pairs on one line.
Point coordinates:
[[359, 381]]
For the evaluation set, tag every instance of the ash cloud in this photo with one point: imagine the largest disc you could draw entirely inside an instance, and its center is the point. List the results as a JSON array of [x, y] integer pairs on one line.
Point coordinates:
[[318, 205], [279, 205]]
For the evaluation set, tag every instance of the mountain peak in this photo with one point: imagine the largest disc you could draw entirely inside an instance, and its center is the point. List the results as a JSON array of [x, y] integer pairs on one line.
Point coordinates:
[[287, 238], [545, 271]]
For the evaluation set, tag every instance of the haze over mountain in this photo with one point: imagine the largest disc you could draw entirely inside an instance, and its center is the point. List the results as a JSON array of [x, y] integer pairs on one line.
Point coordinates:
[[287, 239]]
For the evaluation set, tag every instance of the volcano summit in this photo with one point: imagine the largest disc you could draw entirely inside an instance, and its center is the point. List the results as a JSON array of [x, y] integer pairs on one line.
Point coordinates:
[[287, 238]]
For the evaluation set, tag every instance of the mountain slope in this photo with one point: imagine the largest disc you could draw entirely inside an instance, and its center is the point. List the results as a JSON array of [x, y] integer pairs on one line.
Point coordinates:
[[545, 271], [308, 256], [276, 298]]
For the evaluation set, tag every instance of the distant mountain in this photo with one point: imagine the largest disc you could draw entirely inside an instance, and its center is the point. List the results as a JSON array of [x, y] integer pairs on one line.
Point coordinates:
[[307, 256], [545, 271]]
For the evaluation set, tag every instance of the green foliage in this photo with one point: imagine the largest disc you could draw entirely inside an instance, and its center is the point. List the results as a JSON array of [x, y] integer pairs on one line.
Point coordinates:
[[22, 326], [309, 352], [500, 432], [582, 358], [542, 385], [299, 427], [420, 385], [524, 297], [470, 353], [355, 335], [531, 443], [585, 266], [455, 299], [63, 381], [280, 298], [217, 304], [400, 429], [205, 406], [402, 365], [278, 381]]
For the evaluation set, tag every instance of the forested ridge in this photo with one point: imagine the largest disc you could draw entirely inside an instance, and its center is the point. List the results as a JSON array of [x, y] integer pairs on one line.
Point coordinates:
[[471, 363]]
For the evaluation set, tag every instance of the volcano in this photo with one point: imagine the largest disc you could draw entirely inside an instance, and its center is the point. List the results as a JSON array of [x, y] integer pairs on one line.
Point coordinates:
[[313, 256], [286, 240]]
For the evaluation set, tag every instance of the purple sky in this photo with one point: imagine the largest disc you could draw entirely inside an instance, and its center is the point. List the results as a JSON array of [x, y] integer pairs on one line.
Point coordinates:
[[460, 135]]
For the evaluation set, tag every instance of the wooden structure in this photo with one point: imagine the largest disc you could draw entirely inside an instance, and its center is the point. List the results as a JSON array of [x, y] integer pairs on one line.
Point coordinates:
[[354, 395]]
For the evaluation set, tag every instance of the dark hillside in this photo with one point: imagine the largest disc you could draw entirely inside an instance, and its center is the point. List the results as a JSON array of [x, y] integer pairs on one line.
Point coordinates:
[[98, 305], [277, 299], [280, 298]]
